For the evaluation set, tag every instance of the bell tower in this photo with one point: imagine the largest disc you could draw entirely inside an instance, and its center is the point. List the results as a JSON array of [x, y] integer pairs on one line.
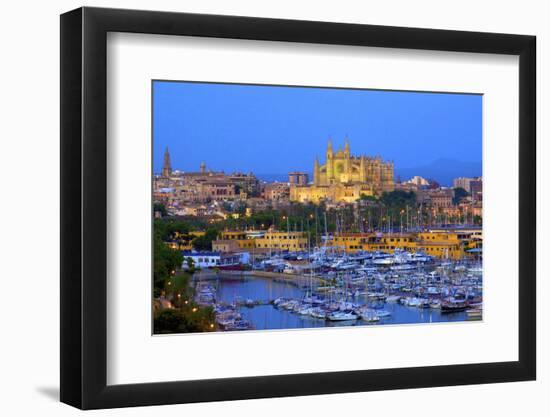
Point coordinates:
[[166, 167]]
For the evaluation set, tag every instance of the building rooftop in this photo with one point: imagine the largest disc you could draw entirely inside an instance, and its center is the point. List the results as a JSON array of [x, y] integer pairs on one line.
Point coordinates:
[[199, 253]]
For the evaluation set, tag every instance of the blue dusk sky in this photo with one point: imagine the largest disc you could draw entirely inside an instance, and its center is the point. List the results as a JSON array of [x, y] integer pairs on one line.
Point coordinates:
[[271, 130]]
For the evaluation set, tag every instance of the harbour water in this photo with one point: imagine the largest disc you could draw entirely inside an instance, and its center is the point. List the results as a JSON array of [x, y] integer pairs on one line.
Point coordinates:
[[267, 316]]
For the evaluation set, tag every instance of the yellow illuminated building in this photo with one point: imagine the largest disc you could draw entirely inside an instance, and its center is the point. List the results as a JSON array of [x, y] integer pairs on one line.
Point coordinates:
[[266, 240], [344, 178], [244, 240], [275, 240], [442, 244]]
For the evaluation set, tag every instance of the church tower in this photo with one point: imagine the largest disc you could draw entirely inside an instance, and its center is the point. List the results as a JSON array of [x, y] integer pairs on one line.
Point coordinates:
[[347, 152], [347, 155], [330, 161], [166, 168], [316, 172]]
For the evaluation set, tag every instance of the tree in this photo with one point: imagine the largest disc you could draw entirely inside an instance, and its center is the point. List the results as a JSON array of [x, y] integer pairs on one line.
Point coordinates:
[[160, 208], [205, 242], [365, 197], [165, 262], [398, 198], [190, 318], [168, 321], [169, 228]]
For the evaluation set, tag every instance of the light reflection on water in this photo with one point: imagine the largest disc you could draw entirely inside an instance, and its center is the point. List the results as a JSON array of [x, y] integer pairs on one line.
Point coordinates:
[[268, 317]]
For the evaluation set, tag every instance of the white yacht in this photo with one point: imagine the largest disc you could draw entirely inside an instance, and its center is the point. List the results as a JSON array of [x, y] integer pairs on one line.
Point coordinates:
[[341, 316]]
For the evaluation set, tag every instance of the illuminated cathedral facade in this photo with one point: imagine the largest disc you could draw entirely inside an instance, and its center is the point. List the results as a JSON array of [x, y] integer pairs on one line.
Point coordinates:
[[345, 178]]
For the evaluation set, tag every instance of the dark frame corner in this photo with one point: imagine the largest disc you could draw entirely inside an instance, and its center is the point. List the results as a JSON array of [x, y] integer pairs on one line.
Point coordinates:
[[83, 207]]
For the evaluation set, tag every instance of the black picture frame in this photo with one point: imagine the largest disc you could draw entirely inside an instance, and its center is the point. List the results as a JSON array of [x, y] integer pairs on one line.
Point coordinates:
[[84, 207]]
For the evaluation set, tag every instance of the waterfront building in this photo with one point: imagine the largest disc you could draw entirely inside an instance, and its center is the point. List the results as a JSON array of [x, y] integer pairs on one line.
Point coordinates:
[[233, 235], [265, 240], [214, 259], [239, 239], [279, 240], [437, 243], [201, 259], [344, 177], [226, 245]]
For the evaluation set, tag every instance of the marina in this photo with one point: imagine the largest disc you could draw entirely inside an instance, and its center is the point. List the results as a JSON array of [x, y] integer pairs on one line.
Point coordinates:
[[321, 230], [342, 290]]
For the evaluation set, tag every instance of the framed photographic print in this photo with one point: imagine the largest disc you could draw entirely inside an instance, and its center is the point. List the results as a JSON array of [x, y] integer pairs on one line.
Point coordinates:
[[284, 208]]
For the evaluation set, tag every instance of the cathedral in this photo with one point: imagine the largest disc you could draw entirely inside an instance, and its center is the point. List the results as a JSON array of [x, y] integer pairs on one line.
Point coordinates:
[[345, 178]]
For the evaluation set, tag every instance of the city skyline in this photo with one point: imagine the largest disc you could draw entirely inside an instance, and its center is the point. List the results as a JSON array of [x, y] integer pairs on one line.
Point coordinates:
[[288, 127], [347, 245]]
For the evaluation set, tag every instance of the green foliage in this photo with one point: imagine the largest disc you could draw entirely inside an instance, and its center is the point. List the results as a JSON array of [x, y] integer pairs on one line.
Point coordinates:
[[178, 284], [202, 243], [168, 321], [159, 207], [190, 264], [398, 198], [187, 319], [169, 228], [365, 197], [165, 262], [390, 211]]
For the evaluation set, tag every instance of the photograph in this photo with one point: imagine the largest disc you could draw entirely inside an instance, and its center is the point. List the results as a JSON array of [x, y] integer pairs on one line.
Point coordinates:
[[275, 208], [290, 207]]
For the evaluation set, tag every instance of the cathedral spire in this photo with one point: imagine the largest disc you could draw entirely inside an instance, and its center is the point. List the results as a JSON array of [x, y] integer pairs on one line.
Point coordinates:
[[166, 167], [330, 161], [330, 152], [346, 147]]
